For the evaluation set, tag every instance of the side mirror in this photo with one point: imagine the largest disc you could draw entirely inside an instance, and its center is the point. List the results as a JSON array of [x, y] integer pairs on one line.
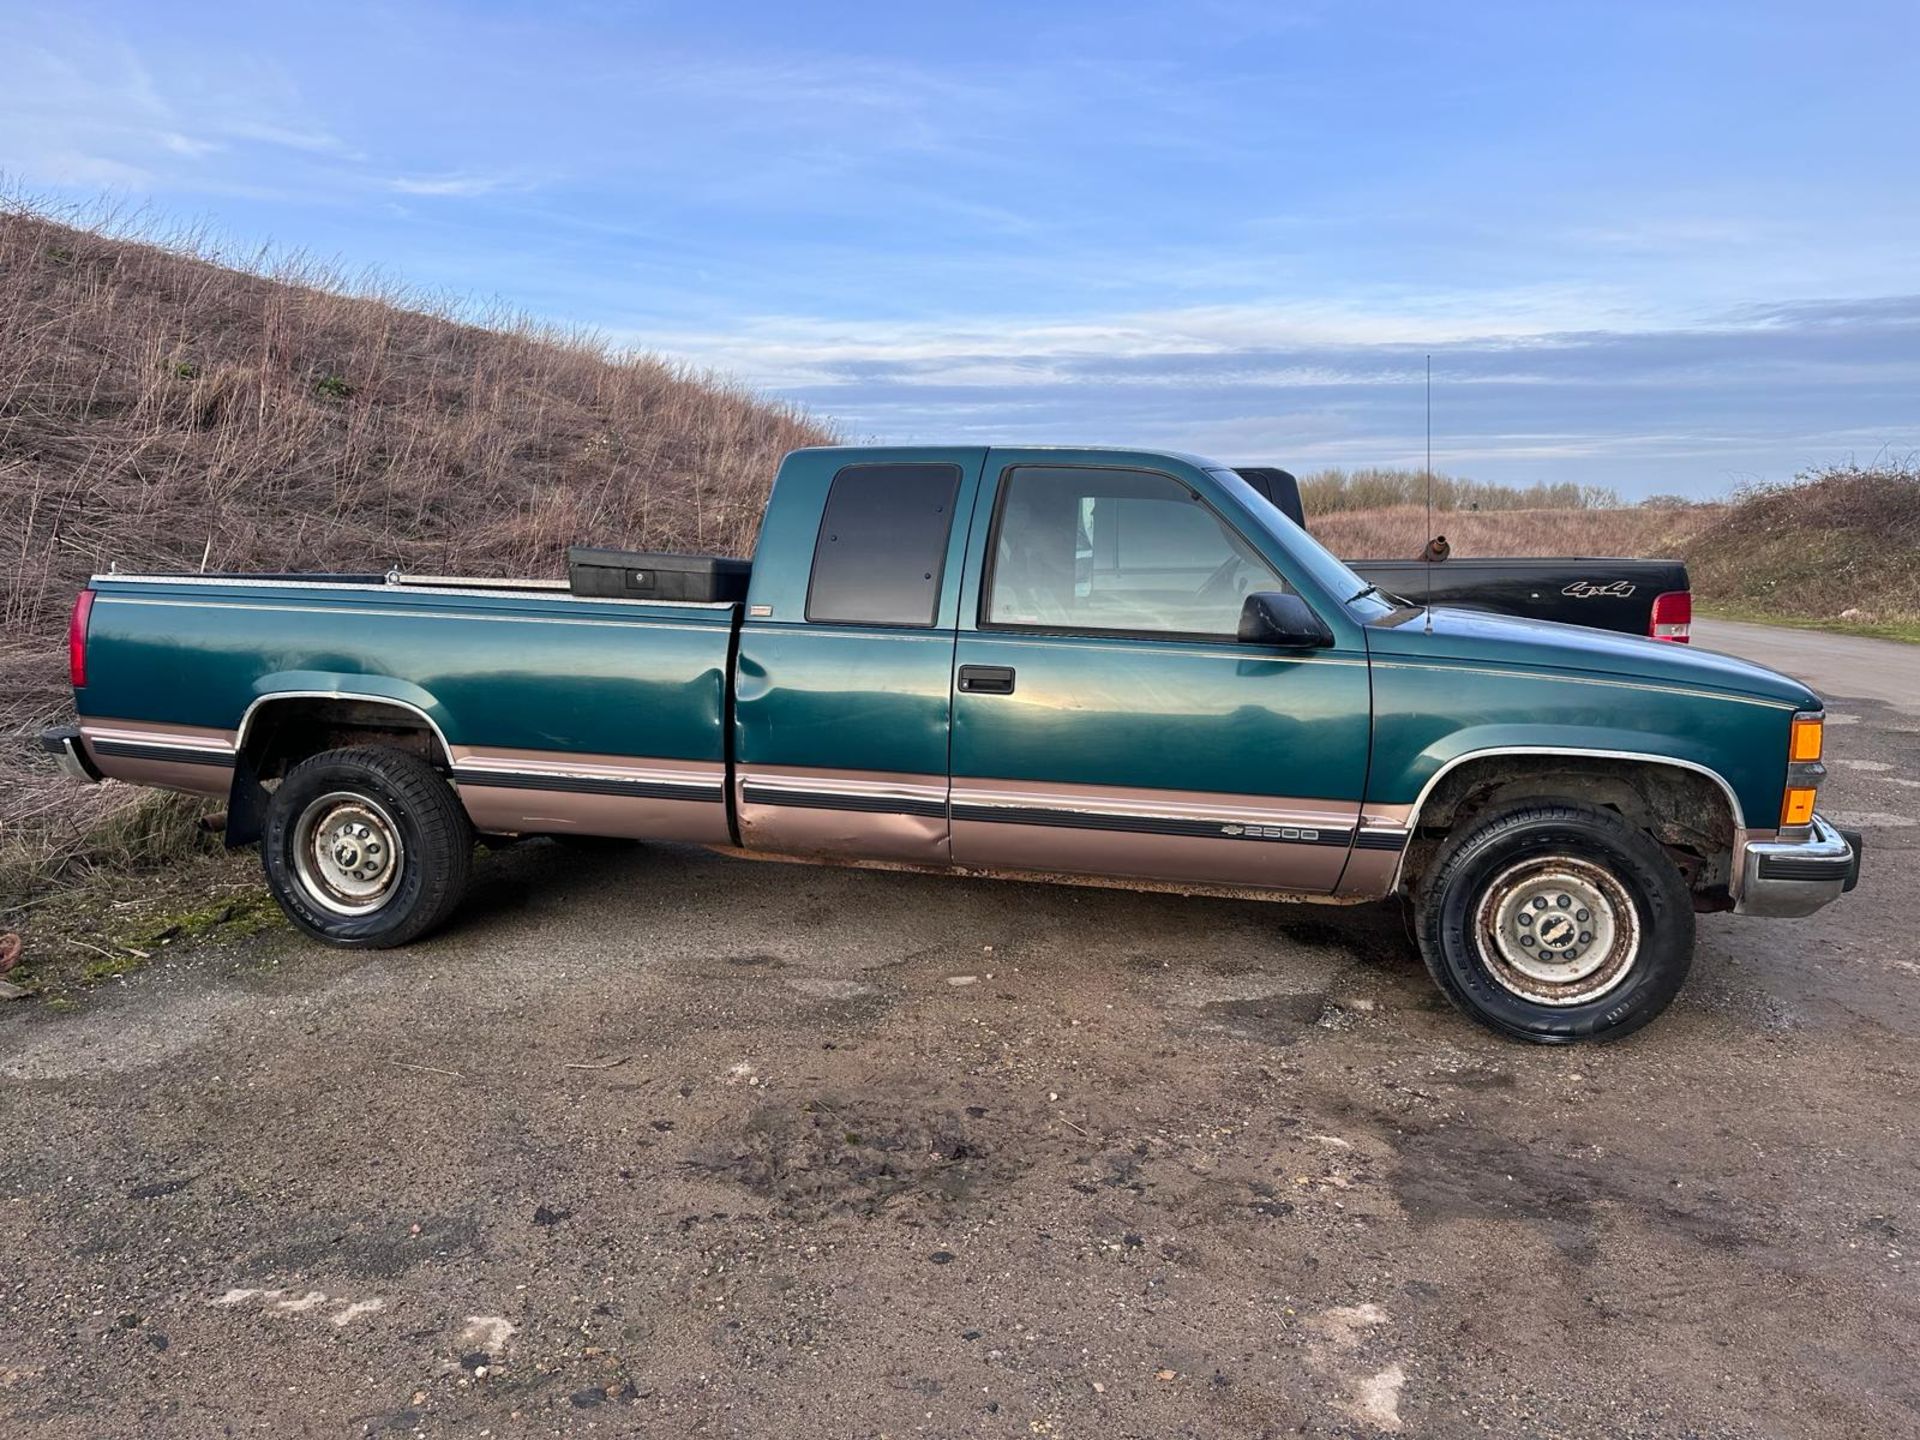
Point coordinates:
[[1273, 617]]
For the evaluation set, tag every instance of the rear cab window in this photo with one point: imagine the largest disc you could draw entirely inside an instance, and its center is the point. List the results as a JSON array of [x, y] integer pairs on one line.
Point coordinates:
[[882, 545]]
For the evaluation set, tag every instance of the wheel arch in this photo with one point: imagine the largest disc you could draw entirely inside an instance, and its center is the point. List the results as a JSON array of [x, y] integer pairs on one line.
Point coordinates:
[[1689, 807], [283, 727]]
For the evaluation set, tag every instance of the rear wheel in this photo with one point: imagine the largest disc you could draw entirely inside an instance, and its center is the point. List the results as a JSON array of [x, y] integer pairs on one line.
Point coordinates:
[[1556, 921], [366, 847]]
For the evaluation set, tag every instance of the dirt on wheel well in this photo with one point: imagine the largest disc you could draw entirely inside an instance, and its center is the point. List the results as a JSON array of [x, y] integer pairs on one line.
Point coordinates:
[[1686, 811]]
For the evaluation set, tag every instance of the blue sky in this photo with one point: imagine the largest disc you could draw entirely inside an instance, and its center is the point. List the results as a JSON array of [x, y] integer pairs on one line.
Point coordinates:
[[1658, 246]]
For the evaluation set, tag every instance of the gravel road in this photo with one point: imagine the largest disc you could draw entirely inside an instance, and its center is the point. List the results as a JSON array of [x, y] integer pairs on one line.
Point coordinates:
[[654, 1142]]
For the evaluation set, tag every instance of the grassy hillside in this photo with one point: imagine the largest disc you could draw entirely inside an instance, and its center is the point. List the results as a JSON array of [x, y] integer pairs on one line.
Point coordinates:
[[1839, 544], [159, 409]]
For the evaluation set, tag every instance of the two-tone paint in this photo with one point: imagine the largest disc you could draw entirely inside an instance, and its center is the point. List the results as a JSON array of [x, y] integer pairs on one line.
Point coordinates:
[[1207, 762]]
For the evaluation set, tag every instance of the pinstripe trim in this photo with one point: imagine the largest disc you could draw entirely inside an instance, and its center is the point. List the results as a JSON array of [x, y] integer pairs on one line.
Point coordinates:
[[759, 793], [424, 585], [1291, 833], [639, 789], [1227, 648], [479, 616], [1510, 674]]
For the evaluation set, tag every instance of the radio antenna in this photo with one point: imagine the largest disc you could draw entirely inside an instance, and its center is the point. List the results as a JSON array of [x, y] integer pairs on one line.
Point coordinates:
[[1427, 549]]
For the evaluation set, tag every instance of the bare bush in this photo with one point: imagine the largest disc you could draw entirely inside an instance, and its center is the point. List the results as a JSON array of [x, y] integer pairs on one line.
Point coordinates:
[[1328, 492], [1836, 539]]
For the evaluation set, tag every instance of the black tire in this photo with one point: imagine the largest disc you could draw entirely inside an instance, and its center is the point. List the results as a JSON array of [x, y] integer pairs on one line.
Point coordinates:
[[1544, 863], [356, 797]]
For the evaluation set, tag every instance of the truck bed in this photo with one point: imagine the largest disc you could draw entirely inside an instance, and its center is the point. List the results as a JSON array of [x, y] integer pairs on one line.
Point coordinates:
[[1604, 593], [542, 699]]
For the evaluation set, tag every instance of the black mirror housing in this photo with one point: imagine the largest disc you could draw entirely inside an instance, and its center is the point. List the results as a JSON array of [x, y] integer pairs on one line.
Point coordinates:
[[1275, 617]]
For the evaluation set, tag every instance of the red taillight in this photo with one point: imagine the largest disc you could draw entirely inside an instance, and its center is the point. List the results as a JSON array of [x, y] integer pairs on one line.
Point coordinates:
[[1672, 617], [77, 639]]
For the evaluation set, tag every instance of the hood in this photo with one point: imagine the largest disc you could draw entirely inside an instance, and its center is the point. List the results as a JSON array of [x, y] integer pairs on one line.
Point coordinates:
[[1476, 636]]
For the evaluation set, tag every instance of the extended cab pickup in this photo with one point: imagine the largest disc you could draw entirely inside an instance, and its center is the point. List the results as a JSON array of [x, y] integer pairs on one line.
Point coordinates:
[[1635, 597], [1096, 665]]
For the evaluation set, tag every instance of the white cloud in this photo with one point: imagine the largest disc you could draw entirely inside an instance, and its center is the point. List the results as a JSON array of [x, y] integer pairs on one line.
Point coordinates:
[[187, 145], [459, 184], [796, 350]]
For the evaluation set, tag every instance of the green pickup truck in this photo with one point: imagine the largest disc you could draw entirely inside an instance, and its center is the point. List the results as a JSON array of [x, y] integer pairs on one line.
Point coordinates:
[[1086, 665]]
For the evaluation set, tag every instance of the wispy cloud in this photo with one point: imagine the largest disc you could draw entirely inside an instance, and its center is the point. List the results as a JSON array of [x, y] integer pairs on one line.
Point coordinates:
[[1677, 405], [1247, 339], [467, 184]]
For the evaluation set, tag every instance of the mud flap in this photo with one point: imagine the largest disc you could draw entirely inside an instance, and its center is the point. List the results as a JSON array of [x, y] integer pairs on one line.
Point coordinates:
[[246, 806]]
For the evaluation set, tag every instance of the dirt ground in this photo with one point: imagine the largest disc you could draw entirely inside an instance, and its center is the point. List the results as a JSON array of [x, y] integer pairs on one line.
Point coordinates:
[[654, 1142]]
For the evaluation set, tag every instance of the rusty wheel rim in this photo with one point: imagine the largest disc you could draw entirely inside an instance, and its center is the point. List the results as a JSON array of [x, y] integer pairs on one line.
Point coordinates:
[[1557, 930], [348, 853]]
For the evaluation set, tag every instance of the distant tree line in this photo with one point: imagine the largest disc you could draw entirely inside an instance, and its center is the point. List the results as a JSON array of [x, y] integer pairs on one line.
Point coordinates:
[[1327, 492]]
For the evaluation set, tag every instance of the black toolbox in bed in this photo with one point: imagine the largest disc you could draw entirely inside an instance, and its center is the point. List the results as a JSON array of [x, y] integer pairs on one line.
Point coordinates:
[[650, 575]]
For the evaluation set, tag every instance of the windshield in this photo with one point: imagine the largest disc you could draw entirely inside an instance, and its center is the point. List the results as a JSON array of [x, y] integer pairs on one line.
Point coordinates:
[[1334, 575]]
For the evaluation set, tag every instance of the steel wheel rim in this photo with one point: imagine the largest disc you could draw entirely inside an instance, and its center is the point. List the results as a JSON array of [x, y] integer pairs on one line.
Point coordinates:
[[348, 853], [1557, 930]]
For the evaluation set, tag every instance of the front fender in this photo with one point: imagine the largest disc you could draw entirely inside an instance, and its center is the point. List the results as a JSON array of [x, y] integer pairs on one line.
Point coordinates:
[[1428, 721], [1424, 771]]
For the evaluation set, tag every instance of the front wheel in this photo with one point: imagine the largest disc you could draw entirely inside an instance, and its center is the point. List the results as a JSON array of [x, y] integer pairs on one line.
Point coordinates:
[[1555, 921], [366, 847]]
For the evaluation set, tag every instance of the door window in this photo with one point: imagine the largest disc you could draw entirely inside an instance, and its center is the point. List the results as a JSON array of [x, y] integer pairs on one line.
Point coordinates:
[[1121, 550]]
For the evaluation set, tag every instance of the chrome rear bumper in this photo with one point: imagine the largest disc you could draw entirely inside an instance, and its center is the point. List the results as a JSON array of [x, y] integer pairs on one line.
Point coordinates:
[[63, 743], [1797, 877]]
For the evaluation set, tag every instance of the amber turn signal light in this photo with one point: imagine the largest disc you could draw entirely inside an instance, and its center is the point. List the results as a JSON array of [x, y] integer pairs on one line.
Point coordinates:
[[1809, 735], [1798, 806]]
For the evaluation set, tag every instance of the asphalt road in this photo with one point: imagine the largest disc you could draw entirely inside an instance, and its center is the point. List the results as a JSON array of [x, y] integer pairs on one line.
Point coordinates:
[[1852, 665], [660, 1143]]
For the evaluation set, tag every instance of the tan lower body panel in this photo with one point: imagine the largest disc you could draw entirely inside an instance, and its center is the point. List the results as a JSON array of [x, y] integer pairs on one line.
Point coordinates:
[[1136, 883], [548, 792], [850, 814], [1159, 835], [190, 758], [1379, 846], [1370, 874]]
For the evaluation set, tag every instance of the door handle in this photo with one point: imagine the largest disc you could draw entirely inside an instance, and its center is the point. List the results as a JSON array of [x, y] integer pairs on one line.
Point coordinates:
[[987, 679]]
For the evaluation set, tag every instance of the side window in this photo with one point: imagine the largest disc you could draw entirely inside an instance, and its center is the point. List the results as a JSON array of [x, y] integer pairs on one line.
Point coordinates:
[[882, 543], [1117, 550]]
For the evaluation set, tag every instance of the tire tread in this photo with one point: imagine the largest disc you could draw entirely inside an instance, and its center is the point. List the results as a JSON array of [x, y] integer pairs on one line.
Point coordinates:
[[1667, 944], [443, 848]]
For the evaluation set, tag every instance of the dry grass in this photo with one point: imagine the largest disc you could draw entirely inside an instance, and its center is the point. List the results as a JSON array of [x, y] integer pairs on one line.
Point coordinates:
[[1399, 532], [163, 410], [1838, 543]]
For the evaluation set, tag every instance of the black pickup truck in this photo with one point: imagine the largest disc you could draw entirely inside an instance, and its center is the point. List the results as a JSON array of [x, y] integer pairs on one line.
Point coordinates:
[[1633, 597]]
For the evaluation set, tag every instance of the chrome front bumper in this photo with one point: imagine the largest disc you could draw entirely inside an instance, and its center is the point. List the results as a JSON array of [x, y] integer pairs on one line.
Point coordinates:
[[63, 743], [1797, 877]]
